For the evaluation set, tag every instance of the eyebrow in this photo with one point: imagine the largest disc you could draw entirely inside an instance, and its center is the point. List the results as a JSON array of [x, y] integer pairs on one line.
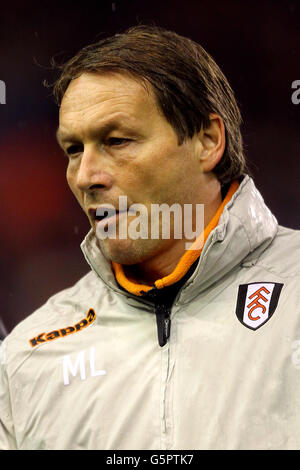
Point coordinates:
[[103, 130]]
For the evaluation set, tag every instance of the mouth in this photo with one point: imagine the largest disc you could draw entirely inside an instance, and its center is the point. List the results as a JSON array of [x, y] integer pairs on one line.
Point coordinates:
[[104, 215]]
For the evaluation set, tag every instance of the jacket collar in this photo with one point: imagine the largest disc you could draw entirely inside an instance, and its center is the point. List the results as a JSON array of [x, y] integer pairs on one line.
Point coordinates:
[[245, 228]]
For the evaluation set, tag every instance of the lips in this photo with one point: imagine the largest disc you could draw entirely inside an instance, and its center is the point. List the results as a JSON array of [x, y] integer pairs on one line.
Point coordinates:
[[101, 212], [104, 214]]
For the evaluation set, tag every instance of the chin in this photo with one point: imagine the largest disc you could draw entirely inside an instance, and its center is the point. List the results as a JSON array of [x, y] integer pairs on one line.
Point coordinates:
[[127, 252]]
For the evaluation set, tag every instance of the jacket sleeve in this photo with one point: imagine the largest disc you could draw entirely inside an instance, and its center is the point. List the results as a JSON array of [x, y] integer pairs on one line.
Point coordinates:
[[7, 438]]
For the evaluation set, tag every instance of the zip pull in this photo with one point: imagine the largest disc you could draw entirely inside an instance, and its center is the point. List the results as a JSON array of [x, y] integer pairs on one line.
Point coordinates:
[[163, 323], [162, 313], [167, 327]]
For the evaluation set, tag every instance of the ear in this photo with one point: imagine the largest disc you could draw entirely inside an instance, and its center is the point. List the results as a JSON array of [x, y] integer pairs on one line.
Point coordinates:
[[212, 139]]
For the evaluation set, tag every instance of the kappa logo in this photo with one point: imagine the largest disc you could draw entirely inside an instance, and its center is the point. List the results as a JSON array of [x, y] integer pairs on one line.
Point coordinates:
[[44, 337], [257, 302]]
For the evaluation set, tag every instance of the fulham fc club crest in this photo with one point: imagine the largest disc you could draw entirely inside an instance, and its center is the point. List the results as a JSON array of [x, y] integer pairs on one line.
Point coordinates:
[[257, 302]]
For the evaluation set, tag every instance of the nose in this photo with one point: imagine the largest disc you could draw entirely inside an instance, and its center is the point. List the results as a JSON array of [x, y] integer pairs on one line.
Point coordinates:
[[92, 172]]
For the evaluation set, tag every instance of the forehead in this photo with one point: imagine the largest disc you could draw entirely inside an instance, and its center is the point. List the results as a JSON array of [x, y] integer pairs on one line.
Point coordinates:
[[98, 98]]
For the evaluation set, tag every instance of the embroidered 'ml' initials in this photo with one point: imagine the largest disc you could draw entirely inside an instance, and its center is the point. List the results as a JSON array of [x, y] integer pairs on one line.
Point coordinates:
[[79, 365]]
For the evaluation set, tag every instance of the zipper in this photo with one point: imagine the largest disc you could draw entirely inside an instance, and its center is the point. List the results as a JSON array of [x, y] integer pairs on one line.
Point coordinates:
[[162, 309], [162, 313], [163, 323]]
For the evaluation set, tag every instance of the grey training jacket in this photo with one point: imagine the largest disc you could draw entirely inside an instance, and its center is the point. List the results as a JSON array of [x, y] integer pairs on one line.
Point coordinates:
[[85, 370]]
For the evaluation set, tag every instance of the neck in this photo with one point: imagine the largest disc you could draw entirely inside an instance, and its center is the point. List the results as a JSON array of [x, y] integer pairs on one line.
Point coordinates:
[[158, 266]]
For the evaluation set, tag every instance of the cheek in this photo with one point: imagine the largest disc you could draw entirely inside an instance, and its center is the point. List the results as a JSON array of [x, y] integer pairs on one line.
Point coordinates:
[[150, 175], [134, 178], [71, 180], [71, 175]]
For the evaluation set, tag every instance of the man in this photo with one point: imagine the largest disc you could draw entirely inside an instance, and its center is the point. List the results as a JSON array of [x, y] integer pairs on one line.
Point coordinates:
[[159, 346]]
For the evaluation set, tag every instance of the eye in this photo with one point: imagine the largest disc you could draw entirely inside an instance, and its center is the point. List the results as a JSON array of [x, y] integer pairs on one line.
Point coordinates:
[[74, 149], [117, 141]]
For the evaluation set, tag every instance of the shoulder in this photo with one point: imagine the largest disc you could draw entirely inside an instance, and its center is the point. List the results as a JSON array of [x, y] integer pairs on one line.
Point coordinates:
[[62, 305], [282, 256], [63, 312]]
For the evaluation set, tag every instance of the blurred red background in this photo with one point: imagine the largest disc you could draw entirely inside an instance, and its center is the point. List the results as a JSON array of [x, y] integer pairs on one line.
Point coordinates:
[[255, 43]]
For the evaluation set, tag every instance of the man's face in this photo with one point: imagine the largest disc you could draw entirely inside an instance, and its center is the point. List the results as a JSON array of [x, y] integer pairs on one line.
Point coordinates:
[[119, 144]]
